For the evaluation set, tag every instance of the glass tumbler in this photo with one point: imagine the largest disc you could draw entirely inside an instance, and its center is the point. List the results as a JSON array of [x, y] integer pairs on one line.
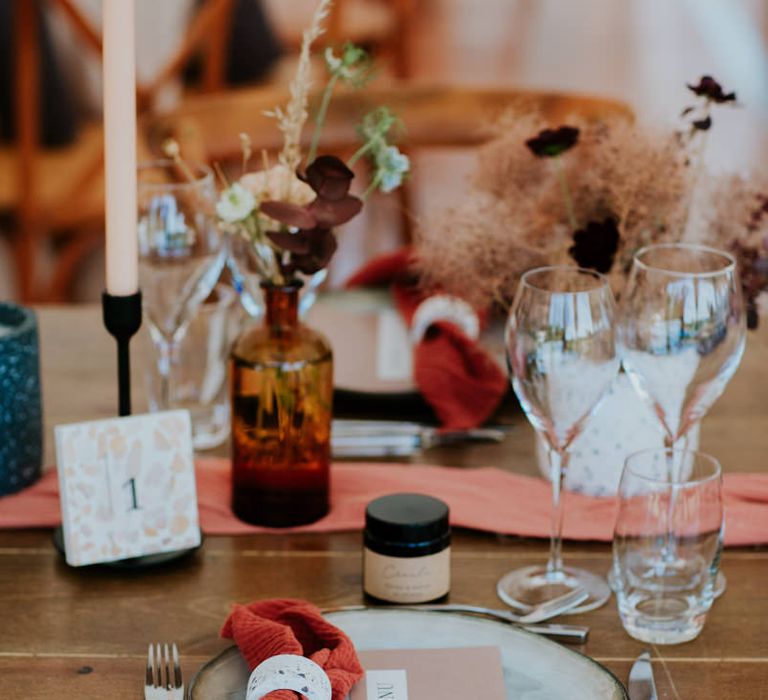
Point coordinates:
[[181, 254], [667, 543], [198, 370]]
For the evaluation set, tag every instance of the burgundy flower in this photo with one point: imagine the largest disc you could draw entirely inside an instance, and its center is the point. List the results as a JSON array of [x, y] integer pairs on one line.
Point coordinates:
[[595, 246], [552, 142], [702, 124], [312, 243], [708, 87], [293, 215], [329, 177], [311, 250], [753, 266], [334, 212]]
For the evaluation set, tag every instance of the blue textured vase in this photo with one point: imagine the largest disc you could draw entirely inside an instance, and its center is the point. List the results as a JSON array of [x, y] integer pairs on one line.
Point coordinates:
[[21, 419]]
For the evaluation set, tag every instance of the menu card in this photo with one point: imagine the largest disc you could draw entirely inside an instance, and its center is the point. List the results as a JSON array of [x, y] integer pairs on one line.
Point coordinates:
[[431, 674]]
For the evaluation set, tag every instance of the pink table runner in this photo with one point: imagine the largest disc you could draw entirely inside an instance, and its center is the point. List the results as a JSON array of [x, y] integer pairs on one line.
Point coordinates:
[[482, 499]]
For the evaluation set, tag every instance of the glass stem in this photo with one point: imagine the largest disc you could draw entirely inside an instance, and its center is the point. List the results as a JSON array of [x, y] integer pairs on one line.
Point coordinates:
[[558, 461], [165, 363], [674, 467]]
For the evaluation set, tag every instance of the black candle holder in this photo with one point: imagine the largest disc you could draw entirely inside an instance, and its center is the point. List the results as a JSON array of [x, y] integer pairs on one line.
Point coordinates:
[[122, 318]]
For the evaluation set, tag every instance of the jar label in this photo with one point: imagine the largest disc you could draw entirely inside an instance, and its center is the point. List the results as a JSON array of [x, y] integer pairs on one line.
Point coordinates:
[[407, 580]]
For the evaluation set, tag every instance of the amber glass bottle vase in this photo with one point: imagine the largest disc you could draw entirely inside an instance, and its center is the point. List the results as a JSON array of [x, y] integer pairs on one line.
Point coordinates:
[[281, 390]]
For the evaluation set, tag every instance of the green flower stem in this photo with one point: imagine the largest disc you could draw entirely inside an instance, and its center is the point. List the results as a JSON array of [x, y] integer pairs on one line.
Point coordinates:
[[374, 184], [322, 112], [257, 237], [566, 193], [360, 152]]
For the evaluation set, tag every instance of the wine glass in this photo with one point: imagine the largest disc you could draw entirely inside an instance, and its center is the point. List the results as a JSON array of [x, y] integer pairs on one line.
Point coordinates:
[[681, 335], [681, 331], [562, 356], [181, 254]]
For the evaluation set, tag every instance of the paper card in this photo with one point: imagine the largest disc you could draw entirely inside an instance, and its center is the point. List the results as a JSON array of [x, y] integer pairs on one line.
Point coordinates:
[[431, 674], [394, 354], [127, 487]]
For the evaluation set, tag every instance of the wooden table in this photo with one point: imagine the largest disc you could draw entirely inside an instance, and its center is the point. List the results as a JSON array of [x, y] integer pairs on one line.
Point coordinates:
[[68, 633]]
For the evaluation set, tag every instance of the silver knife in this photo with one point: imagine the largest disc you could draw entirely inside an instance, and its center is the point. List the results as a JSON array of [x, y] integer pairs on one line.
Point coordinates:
[[641, 684], [356, 438]]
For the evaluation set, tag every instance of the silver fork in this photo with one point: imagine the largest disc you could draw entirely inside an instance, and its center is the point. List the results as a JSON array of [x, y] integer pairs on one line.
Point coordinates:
[[571, 634], [540, 613], [159, 684]]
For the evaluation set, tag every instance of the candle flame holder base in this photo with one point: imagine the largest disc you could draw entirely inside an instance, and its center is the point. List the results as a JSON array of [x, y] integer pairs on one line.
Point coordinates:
[[122, 318]]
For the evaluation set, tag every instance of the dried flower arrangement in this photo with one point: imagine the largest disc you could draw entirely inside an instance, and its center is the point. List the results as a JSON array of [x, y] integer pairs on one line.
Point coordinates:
[[288, 210], [592, 193]]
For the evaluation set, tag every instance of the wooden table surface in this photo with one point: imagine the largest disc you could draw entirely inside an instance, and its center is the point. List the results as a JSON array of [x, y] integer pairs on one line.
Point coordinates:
[[68, 633]]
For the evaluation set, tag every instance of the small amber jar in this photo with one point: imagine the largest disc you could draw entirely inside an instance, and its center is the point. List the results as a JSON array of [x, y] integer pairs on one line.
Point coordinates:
[[281, 375], [407, 549]]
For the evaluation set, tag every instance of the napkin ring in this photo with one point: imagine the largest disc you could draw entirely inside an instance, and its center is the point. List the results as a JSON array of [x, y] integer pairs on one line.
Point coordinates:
[[444, 307], [289, 672]]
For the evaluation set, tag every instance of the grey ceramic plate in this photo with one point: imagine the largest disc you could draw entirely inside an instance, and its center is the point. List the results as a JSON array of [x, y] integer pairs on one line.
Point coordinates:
[[350, 320], [534, 668]]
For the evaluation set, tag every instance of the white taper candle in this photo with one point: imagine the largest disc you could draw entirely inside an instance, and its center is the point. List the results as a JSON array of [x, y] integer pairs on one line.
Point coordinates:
[[120, 146]]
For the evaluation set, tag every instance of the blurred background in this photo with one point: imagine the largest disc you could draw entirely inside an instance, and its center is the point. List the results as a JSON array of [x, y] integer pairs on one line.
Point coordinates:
[[640, 52]]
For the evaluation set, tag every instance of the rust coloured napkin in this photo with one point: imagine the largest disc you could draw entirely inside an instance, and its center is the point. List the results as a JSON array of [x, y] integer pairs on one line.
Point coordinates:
[[457, 377], [486, 499], [287, 626]]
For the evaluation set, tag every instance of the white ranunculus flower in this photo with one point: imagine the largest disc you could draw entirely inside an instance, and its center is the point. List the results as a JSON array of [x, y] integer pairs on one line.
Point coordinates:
[[235, 204], [278, 183]]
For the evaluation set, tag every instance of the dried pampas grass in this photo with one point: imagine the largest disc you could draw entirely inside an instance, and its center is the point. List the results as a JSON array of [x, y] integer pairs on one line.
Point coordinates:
[[514, 216]]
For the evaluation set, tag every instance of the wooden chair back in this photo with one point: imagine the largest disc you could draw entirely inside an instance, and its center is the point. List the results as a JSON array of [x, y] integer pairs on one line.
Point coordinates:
[[208, 128], [65, 217], [433, 116]]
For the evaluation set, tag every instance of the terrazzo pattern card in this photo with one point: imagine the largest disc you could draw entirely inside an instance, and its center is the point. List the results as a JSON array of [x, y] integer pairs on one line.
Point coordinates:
[[127, 487]]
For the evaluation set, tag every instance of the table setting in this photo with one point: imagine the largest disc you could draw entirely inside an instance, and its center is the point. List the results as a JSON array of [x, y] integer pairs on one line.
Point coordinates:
[[520, 457]]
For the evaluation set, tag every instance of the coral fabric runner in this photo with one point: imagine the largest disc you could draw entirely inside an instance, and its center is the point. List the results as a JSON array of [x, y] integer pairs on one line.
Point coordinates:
[[482, 499]]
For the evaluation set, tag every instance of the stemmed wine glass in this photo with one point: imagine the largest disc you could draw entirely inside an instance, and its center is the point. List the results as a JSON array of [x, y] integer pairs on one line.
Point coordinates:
[[681, 331], [181, 254], [562, 357], [681, 335]]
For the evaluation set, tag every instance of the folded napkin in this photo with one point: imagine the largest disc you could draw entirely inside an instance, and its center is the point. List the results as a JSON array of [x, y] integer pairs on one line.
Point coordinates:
[[486, 499], [459, 379], [285, 626]]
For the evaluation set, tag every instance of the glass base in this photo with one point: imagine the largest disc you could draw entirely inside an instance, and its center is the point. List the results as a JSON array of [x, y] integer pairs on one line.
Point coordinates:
[[210, 426], [669, 621], [719, 588], [533, 585]]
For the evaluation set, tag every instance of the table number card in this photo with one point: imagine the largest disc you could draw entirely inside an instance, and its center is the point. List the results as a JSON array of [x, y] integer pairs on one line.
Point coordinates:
[[127, 487]]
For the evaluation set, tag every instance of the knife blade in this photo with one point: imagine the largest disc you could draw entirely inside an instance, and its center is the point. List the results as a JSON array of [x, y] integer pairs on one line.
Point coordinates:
[[356, 438], [641, 684]]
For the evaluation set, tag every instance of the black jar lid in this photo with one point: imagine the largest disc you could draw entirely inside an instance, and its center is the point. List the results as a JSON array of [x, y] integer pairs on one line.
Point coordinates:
[[410, 518]]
